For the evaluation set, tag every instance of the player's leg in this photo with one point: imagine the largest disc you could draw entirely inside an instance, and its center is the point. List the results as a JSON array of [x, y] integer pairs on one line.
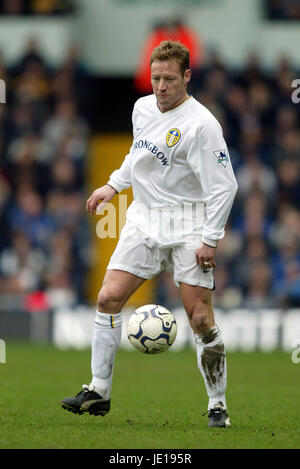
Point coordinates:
[[211, 356], [196, 285], [132, 262], [117, 287], [197, 302], [130, 265]]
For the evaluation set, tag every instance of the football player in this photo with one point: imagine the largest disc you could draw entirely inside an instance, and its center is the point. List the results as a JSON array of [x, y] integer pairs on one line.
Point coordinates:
[[178, 159]]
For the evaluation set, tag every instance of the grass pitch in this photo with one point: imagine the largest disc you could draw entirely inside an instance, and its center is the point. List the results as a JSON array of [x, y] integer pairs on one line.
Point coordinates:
[[157, 401]]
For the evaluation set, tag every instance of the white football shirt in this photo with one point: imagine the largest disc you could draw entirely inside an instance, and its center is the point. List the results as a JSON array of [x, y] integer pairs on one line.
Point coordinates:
[[178, 158]]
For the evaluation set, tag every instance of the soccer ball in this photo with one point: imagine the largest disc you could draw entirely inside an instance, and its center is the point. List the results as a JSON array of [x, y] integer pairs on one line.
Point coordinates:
[[152, 329]]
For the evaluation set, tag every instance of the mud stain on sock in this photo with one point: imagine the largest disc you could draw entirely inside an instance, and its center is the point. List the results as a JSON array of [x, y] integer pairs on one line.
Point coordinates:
[[213, 363]]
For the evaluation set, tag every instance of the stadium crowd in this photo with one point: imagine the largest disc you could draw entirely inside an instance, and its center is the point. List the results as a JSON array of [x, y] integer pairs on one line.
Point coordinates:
[[44, 133], [43, 143]]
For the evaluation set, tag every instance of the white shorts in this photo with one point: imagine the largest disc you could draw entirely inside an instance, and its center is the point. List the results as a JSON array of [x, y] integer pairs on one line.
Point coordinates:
[[140, 255]]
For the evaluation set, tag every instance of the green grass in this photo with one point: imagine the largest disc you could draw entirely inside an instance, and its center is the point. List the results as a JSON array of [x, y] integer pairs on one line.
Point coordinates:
[[157, 401]]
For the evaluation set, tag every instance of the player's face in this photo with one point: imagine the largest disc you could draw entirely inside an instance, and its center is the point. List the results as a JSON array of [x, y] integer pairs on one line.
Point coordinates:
[[169, 85]]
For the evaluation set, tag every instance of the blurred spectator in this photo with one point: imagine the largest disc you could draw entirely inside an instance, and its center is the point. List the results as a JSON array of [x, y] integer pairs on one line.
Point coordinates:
[[288, 290], [21, 266], [287, 10], [13, 7], [63, 175], [286, 229], [72, 79], [254, 219], [283, 77], [288, 172], [31, 56], [255, 251], [5, 193], [258, 289], [254, 175], [58, 277], [65, 122], [286, 119], [36, 7], [32, 85], [28, 216], [252, 71]]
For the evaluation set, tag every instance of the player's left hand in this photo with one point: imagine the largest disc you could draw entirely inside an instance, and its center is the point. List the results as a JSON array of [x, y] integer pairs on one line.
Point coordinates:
[[205, 256]]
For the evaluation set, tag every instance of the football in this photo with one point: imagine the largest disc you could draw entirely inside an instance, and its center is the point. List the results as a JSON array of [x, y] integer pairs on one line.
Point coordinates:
[[152, 329]]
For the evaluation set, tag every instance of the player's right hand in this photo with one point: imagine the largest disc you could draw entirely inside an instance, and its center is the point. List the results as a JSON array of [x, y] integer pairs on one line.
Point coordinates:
[[99, 198]]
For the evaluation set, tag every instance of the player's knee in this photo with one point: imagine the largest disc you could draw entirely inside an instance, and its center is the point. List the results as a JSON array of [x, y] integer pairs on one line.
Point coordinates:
[[109, 301], [200, 321], [200, 317]]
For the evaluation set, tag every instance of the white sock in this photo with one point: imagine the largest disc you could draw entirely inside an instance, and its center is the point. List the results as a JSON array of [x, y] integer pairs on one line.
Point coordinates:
[[105, 343], [212, 364]]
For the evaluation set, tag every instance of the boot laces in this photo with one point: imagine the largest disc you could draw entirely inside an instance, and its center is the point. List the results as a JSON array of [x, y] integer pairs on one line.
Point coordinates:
[[88, 387]]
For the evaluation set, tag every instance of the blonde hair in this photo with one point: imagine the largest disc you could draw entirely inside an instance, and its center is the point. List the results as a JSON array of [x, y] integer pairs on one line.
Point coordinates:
[[172, 50]]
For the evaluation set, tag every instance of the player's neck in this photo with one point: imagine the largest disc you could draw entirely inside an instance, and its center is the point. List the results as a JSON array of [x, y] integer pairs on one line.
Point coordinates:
[[163, 109]]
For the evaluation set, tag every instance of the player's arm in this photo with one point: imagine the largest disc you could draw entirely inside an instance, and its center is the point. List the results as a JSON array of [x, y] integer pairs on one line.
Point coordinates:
[[100, 197], [210, 161]]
